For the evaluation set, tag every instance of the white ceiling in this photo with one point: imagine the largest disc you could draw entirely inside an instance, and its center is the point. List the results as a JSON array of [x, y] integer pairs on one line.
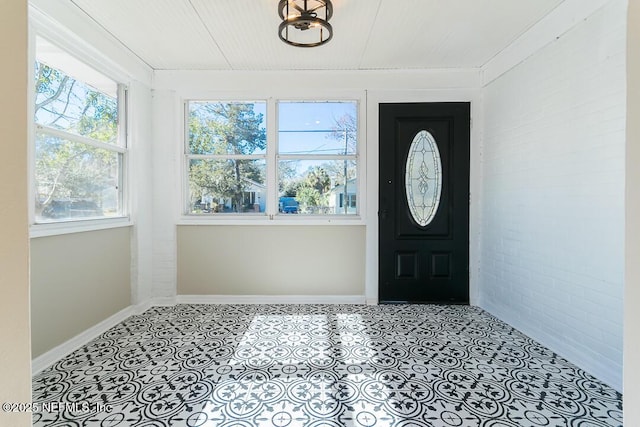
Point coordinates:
[[368, 34]]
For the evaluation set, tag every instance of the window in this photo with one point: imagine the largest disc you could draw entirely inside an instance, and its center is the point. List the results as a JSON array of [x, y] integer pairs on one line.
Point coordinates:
[[229, 158], [423, 178], [351, 200], [317, 147], [79, 145], [226, 157]]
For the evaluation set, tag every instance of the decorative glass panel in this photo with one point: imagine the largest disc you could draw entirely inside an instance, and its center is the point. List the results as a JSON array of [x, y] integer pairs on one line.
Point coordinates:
[[423, 178]]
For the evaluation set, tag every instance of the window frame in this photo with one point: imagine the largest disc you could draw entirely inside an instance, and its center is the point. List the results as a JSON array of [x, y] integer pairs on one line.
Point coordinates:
[[271, 214], [82, 52], [319, 157], [187, 157]]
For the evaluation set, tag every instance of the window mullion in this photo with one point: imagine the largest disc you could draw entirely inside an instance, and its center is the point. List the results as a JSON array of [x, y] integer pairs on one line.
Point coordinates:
[[79, 138], [186, 165], [226, 156], [123, 112], [123, 141], [317, 157], [272, 150]]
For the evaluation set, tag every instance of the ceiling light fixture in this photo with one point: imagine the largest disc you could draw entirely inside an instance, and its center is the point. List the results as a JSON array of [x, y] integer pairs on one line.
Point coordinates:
[[305, 23]]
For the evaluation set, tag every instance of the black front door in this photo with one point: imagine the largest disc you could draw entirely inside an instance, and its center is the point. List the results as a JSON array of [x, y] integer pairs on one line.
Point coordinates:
[[424, 203]]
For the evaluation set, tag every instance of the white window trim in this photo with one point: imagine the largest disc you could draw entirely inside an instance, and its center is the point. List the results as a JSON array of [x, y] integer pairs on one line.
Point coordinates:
[[77, 226], [186, 204], [266, 221], [117, 148], [42, 26], [271, 215]]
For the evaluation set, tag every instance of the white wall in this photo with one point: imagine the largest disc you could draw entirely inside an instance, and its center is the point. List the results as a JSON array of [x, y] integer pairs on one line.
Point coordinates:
[[632, 270], [15, 367], [141, 188], [271, 260], [166, 173], [77, 281], [171, 88], [552, 238], [110, 268]]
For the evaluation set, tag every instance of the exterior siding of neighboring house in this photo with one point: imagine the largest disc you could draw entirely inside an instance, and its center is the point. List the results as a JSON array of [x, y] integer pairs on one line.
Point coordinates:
[[337, 198], [254, 195]]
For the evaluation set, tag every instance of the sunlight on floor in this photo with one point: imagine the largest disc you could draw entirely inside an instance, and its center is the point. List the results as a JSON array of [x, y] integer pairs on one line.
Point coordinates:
[[302, 351], [322, 366]]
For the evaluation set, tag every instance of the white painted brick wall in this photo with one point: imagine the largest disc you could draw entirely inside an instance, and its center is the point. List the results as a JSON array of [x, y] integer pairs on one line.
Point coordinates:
[[167, 180], [141, 178], [552, 234]]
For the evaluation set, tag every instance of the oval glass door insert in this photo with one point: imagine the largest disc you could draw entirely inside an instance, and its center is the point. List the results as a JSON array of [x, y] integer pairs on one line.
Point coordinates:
[[423, 178]]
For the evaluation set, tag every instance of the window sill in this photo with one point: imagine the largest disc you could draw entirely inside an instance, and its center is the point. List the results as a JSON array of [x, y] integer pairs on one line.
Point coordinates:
[[81, 226], [264, 220]]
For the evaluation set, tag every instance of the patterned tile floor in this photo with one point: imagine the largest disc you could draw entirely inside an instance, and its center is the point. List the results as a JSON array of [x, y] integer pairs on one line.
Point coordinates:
[[319, 366]]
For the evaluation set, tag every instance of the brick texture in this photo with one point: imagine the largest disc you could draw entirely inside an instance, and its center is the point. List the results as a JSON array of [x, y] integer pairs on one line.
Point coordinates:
[[552, 234]]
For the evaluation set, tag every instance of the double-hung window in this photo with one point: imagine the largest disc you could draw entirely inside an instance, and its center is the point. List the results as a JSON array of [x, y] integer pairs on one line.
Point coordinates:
[[226, 157], [306, 166], [80, 144], [317, 157]]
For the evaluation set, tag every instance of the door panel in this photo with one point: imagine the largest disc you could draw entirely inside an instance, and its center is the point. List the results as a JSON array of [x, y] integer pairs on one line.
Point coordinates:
[[430, 262]]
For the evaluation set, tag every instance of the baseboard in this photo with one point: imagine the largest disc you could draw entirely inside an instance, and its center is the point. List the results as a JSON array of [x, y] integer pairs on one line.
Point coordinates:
[[576, 355], [161, 301], [50, 357], [270, 299]]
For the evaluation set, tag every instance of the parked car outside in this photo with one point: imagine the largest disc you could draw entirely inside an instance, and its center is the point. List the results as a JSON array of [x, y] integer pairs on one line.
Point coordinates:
[[288, 205]]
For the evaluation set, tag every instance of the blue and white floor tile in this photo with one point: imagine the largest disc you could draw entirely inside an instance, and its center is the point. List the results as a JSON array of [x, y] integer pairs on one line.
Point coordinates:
[[319, 366]]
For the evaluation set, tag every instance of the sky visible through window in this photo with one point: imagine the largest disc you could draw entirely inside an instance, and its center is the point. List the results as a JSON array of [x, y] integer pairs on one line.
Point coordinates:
[[316, 156], [307, 127], [317, 149]]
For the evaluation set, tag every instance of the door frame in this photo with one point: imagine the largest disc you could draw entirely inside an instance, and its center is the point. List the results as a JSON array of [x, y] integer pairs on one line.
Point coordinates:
[[374, 98], [448, 123]]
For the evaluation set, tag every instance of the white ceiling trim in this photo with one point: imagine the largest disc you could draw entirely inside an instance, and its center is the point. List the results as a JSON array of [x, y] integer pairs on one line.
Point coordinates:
[[66, 26], [268, 82]]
